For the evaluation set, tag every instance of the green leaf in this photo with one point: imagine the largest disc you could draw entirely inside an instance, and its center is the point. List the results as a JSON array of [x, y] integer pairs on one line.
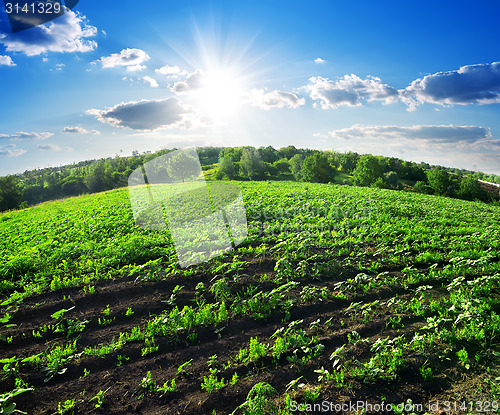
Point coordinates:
[[58, 314]]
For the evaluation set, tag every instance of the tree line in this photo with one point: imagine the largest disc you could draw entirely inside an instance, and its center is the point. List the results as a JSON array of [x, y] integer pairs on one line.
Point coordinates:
[[249, 163], [352, 169]]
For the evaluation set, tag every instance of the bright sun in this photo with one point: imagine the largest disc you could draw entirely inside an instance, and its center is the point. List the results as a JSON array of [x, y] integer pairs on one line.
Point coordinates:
[[220, 94]]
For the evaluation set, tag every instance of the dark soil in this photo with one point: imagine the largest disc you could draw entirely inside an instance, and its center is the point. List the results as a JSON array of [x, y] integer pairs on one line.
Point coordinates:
[[124, 394]]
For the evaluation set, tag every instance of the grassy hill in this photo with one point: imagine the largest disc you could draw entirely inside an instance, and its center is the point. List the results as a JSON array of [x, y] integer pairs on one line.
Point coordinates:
[[339, 294]]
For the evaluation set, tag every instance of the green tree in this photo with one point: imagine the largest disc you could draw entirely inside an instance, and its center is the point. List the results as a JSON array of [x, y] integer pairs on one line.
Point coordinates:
[[33, 194], [282, 165], [381, 184], [268, 154], [208, 155], [183, 167], [10, 193], [439, 180], [367, 171], [233, 152], [72, 186], [251, 164], [227, 168], [271, 170], [422, 187], [316, 168], [333, 158], [296, 166], [392, 180], [287, 152], [118, 179], [411, 171], [348, 161], [96, 180], [470, 189]]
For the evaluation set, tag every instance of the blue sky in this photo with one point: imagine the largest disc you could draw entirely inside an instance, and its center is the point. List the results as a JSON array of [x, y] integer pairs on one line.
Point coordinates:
[[416, 81]]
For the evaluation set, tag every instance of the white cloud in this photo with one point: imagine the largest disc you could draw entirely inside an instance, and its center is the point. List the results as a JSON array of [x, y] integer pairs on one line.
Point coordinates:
[[471, 84], [79, 130], [319, 61], [350, 91], [172, 71], [429, 133], [274, 99], [11, 151], [65, 34], [192, 82], [152, 82], [146, 115], [136, 68], [127, 57], [48, 147], [23, 135], [6, 61]]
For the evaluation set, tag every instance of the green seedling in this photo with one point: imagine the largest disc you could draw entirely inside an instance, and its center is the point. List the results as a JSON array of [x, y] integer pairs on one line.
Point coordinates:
[[67, 407], [211, 384], [6, 404], [99, 398], [58, 314], [182, 368]]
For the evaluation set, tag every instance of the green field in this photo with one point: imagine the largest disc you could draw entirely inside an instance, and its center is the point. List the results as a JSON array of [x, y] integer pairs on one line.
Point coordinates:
[[339, 294]]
